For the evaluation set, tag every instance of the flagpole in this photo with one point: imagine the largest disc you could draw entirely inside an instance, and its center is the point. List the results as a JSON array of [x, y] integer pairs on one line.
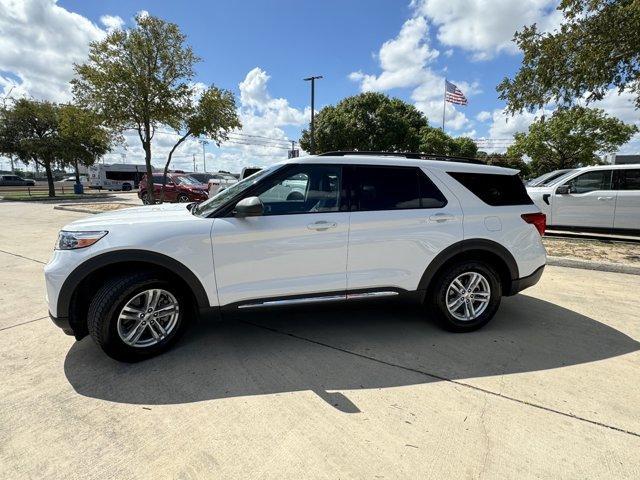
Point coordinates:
[[444, 102]]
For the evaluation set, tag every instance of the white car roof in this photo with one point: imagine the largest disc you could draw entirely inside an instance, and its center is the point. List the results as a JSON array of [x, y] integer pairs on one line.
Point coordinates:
[[444, 165], [620, 166]]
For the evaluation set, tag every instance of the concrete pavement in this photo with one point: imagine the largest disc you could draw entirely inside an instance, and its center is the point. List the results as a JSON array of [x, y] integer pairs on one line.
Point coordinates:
[[549, 389]]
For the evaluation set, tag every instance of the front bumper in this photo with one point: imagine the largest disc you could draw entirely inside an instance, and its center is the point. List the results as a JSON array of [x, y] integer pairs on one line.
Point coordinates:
[[62, 323], [520, 284]]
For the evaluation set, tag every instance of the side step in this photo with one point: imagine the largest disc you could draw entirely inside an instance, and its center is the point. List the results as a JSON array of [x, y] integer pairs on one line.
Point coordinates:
[[319, 299]]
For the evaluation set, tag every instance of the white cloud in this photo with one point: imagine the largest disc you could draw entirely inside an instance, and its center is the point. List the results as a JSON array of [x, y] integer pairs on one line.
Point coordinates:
[[402, 59], [405, 63], [39, 42], [483, 116], [112, 22], [486, 28]]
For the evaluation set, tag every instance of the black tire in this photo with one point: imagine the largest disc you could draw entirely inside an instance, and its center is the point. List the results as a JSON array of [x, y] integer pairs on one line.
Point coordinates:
[[106, 305], [146, 199], [183, 198], [436, 301]]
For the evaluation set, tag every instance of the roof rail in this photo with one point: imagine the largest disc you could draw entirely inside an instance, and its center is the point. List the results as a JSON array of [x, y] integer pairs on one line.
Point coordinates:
[[411, 155]]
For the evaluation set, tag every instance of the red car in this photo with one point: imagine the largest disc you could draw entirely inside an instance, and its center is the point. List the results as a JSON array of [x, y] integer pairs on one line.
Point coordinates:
[[180, 187]]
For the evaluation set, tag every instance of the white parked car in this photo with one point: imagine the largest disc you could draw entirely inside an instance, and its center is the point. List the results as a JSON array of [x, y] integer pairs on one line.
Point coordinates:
[[219, 182], [453, 235], [604, 197]]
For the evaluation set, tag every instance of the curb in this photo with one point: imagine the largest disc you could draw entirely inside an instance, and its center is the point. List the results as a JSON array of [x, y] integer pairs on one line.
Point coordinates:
[[587, 265], [78, 208]]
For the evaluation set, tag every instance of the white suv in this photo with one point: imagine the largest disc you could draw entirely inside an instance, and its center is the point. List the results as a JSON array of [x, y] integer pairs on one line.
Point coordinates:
[[604, 197], [454, 235]]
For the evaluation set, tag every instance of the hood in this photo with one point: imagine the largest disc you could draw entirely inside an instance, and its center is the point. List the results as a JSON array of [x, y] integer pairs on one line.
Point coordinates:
[[166, 212]]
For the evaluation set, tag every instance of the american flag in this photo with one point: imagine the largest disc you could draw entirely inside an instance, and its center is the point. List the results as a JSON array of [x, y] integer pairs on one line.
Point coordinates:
[[453, 94]]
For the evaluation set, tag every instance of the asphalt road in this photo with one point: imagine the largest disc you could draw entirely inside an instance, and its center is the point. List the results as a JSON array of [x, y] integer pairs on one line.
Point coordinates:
[[549, 389]]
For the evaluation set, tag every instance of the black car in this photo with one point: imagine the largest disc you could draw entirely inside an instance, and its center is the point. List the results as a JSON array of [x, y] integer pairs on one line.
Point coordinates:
[[15, 181]]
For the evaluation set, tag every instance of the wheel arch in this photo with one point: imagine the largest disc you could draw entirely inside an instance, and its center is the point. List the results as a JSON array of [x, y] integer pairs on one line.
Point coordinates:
[[473, 249], [75, 294]]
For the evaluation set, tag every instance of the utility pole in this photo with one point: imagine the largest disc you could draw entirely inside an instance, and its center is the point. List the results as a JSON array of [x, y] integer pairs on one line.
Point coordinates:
[[204, 157], [194, 162], [313, 92]]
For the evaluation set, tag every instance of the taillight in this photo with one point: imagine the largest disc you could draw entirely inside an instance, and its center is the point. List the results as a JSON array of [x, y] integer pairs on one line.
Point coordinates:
[[538, 220]]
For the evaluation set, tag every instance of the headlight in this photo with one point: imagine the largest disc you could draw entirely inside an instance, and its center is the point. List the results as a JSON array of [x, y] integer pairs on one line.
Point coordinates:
[[75, 240]]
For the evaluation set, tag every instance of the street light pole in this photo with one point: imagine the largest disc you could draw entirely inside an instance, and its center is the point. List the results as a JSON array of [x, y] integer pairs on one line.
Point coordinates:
[[204, 157], [313, 94]]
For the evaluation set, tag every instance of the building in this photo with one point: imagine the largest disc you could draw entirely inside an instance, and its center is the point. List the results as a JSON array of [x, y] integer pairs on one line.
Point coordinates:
[[625, 159]]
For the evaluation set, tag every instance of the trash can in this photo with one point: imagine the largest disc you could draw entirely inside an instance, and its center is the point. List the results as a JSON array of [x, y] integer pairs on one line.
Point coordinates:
[[78, 189]]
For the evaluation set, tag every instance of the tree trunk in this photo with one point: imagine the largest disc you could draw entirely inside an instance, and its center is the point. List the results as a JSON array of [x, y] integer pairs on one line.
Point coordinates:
[[146, 144], [166, 167], [77, 172], [47, 169]]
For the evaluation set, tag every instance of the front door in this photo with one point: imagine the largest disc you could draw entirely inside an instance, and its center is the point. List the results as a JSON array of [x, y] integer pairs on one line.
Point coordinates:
[[298, 247], [591, 201]]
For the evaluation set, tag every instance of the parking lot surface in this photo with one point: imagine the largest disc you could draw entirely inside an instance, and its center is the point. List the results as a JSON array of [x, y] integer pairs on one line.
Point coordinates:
[[549, 389]]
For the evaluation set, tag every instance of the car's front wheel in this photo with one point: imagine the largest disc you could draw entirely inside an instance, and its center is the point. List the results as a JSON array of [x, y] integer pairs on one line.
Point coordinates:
[[465, 296], [135, 317], [183, 198]]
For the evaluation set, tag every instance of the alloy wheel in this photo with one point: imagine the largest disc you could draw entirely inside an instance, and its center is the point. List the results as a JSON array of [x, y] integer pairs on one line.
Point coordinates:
[[148, 318], [468, 296]]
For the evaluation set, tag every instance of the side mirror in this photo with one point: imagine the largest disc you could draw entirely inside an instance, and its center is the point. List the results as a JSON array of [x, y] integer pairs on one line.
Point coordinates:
[[249, 207], [563, 190]]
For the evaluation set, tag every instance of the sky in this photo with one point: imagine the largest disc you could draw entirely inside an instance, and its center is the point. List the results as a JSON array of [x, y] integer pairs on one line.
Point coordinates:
[[261, 51]]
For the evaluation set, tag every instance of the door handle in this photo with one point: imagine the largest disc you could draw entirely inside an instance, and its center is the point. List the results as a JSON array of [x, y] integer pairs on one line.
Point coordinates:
[[322, 225], [441, 217], [604, 199]]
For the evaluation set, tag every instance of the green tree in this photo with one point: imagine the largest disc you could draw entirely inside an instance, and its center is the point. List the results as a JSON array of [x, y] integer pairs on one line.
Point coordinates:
[[596, 47], [512, 160], [139, 79], [437, 142], [570, 138], [29, 131], [213, 115], [84, 138], [367, 122]]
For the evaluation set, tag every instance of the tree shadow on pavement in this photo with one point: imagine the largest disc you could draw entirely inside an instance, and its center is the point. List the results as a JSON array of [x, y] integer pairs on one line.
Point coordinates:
[[343, 347]]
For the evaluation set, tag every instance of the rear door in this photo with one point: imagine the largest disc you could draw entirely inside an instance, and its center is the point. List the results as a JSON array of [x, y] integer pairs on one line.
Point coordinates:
[[590, 203], [627, 214], [400, 220]]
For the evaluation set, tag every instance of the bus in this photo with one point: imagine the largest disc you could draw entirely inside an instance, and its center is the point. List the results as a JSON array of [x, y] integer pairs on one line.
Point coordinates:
[[116, 176]]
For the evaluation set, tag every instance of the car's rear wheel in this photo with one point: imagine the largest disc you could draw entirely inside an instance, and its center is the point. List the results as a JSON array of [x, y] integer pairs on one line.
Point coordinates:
[[135, 317], [465, 296]]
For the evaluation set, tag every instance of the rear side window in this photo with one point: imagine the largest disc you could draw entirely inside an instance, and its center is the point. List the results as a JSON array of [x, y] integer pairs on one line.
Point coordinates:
[[629, 179], [495, 190], [394, 188]]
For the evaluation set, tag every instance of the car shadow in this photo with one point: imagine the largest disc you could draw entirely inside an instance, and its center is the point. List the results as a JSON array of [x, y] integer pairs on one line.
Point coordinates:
[[343, 347]]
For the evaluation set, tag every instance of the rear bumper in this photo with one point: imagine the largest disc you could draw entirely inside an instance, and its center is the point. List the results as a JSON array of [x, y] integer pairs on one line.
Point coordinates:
[[520, 284], [62, 323]]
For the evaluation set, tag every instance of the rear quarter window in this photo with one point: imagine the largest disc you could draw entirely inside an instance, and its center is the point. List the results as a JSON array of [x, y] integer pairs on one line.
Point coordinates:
[[494, 189]]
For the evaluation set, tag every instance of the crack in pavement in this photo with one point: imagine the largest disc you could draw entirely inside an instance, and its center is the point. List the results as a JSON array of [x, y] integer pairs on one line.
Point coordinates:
[[23, 323], [22, 256], [445, 379]]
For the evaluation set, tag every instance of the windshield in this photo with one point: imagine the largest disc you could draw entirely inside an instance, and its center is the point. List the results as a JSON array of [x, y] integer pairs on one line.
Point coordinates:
[[186, 180], [556, 179], [208, 207], [548, 178]]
